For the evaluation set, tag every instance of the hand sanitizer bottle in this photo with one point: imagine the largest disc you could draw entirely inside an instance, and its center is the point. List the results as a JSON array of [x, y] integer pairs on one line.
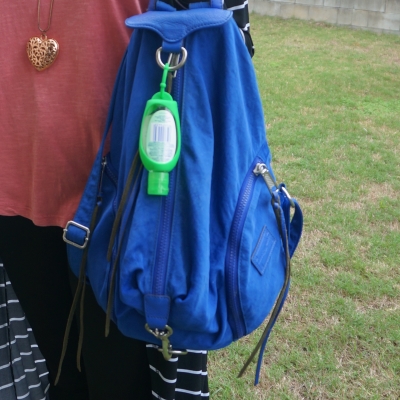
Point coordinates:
[[160, 139]]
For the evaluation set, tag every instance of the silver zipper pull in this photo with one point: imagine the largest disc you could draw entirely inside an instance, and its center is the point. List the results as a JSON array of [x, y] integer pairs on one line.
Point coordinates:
[[261, 169]]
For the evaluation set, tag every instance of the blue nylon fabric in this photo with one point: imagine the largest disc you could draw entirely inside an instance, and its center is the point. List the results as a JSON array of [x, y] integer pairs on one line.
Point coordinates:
[[192, 6], [160, 5], [76, 235], [223, 136], [157, 310], [296, 228], [172, 47]]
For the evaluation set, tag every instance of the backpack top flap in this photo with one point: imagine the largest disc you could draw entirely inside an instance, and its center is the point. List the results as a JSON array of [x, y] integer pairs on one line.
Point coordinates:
[[180, 24]]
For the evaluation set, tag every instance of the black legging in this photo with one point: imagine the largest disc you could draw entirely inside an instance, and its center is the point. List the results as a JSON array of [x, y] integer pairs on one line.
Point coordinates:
[[36, 262]]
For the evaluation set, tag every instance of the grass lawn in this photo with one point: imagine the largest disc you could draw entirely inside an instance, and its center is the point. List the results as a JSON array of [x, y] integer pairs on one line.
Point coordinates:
[[332, 107]]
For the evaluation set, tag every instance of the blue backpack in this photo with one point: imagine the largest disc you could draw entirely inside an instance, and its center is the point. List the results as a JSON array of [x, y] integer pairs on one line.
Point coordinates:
[[203, 259]]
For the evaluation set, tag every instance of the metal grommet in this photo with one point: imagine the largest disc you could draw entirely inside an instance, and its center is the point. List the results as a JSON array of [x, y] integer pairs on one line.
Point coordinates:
[[174, 67]]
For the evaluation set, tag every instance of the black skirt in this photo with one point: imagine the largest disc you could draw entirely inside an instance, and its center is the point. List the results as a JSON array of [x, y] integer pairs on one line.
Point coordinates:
[[23, 371]]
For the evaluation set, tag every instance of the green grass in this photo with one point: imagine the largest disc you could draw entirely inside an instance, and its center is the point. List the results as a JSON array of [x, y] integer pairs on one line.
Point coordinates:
[[331, 98]]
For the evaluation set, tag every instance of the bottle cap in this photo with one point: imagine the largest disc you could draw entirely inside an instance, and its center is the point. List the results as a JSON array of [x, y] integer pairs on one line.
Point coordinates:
[[158, 183]]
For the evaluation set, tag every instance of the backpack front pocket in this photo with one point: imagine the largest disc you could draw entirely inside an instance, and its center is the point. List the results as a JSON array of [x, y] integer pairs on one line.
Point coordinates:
[[255, 260]]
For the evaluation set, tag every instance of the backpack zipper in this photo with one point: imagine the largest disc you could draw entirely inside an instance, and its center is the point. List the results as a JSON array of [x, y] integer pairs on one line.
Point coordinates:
[[164, 240], [164, 233]]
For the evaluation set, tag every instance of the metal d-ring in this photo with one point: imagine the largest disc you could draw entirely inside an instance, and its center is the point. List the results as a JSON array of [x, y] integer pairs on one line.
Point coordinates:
[[173, 67]]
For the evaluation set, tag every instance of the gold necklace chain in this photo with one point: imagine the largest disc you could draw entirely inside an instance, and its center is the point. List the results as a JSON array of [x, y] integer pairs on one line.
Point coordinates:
[[49, 18], [42, 52]]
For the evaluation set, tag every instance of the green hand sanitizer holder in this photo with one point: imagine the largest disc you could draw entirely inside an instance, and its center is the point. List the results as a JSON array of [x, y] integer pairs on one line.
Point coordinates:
[[160, 138]]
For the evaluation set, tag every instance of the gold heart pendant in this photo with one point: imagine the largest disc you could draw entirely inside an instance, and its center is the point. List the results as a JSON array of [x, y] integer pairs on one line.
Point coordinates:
[[42, 52]]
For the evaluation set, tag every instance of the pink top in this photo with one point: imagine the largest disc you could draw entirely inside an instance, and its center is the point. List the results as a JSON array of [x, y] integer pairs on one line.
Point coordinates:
[[52, 121]]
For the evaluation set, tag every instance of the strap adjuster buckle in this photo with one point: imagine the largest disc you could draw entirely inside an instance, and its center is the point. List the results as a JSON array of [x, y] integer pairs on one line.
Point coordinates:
[[84, 228]]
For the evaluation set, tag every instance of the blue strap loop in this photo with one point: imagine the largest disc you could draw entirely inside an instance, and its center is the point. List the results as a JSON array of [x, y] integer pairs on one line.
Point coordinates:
[[162, 6]]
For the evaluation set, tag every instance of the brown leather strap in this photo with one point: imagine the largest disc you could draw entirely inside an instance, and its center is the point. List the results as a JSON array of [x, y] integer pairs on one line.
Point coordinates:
[[79, 296]]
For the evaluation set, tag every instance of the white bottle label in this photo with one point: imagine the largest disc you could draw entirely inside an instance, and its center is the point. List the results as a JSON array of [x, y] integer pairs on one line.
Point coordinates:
[[161, 137]]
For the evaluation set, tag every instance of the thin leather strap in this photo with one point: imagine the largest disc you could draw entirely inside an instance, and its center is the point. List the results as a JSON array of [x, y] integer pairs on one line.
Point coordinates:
[[282, 295], [79, 295], [93, 203], [81, 328], [122, 203]]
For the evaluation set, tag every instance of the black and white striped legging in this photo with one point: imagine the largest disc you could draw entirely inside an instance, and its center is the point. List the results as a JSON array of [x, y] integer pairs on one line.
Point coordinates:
[[23, 372]]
